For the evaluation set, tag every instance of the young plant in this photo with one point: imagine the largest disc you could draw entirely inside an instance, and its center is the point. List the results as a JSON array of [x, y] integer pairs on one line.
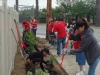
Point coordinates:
[[52, 59], [40, 72], [29, 36], [29, 73]]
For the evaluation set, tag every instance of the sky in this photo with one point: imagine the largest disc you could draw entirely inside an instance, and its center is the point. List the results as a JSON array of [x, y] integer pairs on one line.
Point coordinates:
[[42, 3]]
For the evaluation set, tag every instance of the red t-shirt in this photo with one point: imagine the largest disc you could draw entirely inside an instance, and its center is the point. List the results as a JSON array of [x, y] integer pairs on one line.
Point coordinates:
[[34, 24], [77, 44], [50, 27], [65, 24], [59, 27], [26, 25]]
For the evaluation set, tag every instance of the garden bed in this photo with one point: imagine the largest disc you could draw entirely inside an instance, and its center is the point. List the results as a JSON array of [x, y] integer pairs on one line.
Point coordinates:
[[19, 68]]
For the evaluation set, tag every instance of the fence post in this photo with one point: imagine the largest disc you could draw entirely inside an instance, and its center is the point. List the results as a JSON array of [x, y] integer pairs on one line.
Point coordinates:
[[4, 51], [8, 45]]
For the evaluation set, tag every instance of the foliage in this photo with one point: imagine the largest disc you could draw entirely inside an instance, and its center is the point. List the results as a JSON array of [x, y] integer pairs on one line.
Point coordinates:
[[30, 37], [29, 73], [52, 59], [79, 8], [82, 8], [43, 13], [40, 72]]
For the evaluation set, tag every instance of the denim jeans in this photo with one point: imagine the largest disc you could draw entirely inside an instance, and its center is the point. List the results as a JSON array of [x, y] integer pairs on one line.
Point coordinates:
[[59, 42], [92, 68], [34, 31]]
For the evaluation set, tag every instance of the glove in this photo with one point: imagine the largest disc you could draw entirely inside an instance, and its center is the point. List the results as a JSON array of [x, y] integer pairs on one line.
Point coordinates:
[[71, 31], [48, 63], [64, 51], [68, 52]]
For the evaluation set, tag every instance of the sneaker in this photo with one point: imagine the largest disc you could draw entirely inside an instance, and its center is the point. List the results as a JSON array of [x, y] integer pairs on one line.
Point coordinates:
[[83, 70], [80, 73]]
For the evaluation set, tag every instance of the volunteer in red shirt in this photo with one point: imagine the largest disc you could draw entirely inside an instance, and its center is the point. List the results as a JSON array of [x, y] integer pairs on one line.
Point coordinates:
[[60, 32], [34, 24], [26, 25], [50, 26]]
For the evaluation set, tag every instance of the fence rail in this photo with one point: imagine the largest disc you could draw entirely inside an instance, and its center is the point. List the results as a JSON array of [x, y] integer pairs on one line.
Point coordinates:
[[8, 45]]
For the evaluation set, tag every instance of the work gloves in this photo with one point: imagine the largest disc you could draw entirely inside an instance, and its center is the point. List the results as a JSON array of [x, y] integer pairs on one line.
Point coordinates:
[[66, 51]]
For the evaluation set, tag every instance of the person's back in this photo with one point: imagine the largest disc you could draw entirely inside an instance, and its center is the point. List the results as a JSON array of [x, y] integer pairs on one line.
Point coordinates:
[[60, 32], [34, 55], [59, 27], [26, 25]]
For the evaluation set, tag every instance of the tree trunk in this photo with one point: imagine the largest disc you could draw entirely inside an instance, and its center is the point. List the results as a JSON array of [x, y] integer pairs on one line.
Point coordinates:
[[97, 12], [49, 15], [37, 10]]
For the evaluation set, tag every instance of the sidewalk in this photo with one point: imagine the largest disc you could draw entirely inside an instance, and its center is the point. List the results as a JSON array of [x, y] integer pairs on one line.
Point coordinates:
[[70, 65]]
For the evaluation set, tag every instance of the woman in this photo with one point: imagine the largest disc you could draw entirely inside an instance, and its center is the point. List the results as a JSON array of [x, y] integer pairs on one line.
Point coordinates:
[[89, 45], [34, 24]]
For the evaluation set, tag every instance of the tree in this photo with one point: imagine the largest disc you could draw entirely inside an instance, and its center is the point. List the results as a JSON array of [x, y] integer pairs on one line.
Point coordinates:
[[80, 8], [42, 13], [97, 12]]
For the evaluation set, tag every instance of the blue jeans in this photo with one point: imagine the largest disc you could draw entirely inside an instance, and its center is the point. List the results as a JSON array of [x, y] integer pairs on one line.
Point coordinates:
[[59, 42], [34, 31], [93, 67]]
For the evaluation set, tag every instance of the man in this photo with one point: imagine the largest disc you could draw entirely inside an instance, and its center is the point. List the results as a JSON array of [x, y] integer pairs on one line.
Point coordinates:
[[40, 54], [29, 66], [60, 32]]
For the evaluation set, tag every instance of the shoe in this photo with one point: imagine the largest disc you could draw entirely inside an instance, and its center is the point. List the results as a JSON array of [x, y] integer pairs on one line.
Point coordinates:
[[83, 70], [80, 73]]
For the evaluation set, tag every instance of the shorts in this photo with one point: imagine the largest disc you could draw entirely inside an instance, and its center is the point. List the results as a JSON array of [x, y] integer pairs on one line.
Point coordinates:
[[80, 59]]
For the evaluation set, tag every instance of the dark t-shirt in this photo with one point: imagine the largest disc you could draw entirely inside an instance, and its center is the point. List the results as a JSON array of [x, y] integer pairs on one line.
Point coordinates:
[[35, 55]]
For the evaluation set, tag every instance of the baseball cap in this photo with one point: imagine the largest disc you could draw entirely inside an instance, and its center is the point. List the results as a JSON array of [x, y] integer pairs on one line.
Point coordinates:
[[46, 50], [78, 24]]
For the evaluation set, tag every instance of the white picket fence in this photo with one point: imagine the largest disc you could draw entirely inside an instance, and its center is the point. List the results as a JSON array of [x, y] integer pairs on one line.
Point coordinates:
[[8, 45]]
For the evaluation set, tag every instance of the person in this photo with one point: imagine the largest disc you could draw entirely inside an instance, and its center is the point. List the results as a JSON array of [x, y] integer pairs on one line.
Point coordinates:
[[40, 54], [72, 24], [52, 37], [50, 26], [34, 24], [26, 25], [89, 45], [80, 58], [29, 66], [60, 32]]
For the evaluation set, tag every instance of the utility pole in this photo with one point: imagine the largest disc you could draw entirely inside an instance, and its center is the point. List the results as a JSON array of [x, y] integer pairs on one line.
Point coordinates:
[[48, 16], [37, 10], [17, 5]]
